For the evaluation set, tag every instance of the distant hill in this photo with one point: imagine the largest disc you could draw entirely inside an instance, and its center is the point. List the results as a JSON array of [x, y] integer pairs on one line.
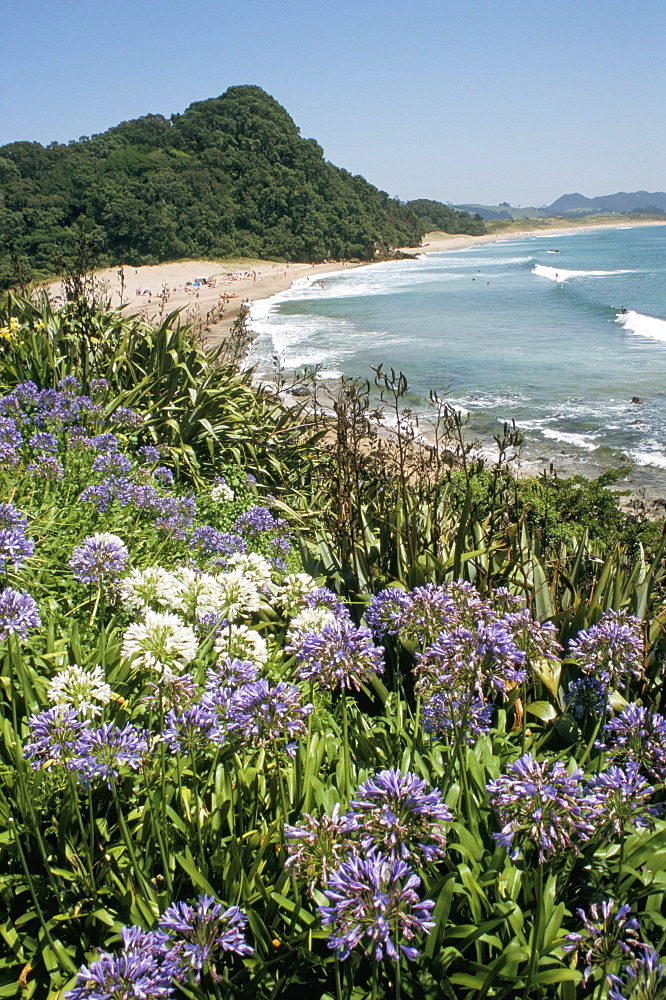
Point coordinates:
[[229, 176], [623, 203]]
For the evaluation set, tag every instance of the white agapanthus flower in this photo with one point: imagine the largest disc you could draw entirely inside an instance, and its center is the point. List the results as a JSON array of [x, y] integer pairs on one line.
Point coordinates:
[[161, 642], [239, 594], [309, 620], [198, 593], [147, 588], [254, 567], [242, 643], [85, 690], [221, 493], [295, 587]]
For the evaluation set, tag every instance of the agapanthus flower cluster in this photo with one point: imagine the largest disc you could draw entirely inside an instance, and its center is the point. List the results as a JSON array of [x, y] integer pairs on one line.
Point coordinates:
[[257, 520], [86, 691], [137, 970], [266, 716], [609, 934], [10, 442], [483, 660], [100, 559], [162, 642], [242, 642], [188, 731], [43, 441], [102, 752], [418, 616], [293, 590], [176, 516], [150, 588], [373, 903], [638, 735], [15, 546], [587, 698], [112, 463], [623, 800], [444, 714], [54, 735], [613, 650], [541, 806], [221, 492], [151, 964], [210, 545], [18, 613], [398, 815], [342, 655], [643, 979], [200, 936], [317, 846], [148, 454]]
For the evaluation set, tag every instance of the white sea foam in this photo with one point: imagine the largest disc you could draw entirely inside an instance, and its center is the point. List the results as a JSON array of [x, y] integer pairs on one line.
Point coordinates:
[[585, 441], [560, 274], [654, 458], [645, 326]]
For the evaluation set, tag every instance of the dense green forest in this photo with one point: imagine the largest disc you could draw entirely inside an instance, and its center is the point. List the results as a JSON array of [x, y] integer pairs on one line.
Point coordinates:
[[435, 215], [231, 175]]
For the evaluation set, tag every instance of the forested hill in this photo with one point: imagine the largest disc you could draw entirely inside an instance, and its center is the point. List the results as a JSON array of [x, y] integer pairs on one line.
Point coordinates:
[[230, 175]]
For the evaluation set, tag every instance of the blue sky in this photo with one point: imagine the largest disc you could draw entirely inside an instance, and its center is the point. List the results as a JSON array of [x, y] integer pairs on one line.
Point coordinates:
[[458, 100]]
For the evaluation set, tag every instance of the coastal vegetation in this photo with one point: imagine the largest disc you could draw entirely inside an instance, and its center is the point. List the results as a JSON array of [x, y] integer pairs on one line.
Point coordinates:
[[291, 705], [229, 176]]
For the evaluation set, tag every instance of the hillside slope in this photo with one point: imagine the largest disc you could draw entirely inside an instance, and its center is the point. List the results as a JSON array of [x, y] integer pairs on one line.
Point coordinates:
[[231, 175]]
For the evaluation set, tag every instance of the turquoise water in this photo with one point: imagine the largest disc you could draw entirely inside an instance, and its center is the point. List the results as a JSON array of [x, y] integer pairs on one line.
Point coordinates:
[[528, 329]]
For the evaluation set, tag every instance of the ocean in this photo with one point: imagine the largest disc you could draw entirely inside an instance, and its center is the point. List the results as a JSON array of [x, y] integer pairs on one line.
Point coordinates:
[[529, 329]]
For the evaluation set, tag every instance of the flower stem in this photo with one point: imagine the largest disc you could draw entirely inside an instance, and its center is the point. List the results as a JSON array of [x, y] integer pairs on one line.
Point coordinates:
[[536, 931]]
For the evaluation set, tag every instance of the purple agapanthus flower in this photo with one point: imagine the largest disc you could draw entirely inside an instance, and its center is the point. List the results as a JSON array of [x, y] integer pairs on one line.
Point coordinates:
[[609, 934], [483, 659], [613, 650], [48, 468], [42, 441], [105, 443], [126, 417], [163, 475], [10, 441], [231, 672], [317, 846], [322, 597], [385, 612], [541, 805], [176, 516], [15, 547], [112, 463], [18, 613], [342, 655], [255, 520], [639, 735], [210, 544], [400, 816], [54, 735], [623, 798], [644, 978], [444, 714], [587, 697], [99, 559], [373, 903], [137, 971], [148, 454], [102, 752], [188, 731], [264, 716], [201, 935]]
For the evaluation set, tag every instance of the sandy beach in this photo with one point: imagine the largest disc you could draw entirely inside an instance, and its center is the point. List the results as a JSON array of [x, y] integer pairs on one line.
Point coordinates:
[[210, 293], [206, 291]]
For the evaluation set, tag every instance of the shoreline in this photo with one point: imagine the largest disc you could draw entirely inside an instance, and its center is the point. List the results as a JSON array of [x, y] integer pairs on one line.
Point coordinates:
[[152, 291]]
